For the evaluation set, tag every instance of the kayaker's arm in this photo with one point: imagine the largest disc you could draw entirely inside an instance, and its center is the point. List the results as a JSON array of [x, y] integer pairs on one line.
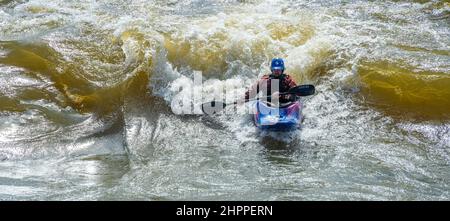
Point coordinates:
[[290, 82]]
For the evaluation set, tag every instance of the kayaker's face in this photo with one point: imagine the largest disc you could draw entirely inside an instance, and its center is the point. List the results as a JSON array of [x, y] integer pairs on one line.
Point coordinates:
[[277, 72]]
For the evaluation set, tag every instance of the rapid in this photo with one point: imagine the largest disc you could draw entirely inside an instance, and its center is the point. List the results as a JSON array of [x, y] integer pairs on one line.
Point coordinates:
[[86, 89]]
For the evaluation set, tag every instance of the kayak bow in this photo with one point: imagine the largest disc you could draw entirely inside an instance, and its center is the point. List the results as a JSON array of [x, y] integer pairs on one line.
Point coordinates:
[[285, 117]]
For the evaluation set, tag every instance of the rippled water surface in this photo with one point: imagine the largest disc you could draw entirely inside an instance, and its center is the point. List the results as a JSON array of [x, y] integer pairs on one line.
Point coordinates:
[[86, 89]]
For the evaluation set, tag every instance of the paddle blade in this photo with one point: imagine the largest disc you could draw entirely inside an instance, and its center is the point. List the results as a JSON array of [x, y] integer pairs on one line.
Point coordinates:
[[303, 90], [213, 107]]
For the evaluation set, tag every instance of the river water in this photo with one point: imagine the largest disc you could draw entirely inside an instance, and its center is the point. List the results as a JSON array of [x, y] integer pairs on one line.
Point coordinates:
[[86, 89]]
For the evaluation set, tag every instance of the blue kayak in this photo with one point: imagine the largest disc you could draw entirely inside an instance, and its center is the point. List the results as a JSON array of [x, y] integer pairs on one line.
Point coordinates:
[[286, 117]]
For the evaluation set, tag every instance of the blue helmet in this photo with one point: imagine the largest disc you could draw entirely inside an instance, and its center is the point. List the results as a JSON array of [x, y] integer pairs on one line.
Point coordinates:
[[277, 63]]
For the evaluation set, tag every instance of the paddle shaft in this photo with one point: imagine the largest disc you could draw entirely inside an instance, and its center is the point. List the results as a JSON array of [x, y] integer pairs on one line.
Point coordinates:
[[302, 90], [259, 98]]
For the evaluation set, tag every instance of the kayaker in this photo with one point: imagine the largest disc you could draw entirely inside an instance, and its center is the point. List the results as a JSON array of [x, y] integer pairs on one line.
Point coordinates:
[[285, 81]]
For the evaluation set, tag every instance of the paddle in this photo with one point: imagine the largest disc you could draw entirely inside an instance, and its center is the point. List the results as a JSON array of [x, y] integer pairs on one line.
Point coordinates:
[[216, 106]]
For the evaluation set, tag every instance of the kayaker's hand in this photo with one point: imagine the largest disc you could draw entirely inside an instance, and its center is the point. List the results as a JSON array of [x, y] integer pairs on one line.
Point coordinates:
[[276, 95], [290, 97]]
